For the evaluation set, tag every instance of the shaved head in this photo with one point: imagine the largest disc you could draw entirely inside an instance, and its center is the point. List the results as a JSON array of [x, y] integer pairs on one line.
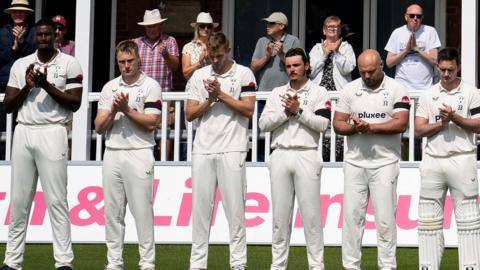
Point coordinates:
[[369, 57], [414, 8], [370, 66]]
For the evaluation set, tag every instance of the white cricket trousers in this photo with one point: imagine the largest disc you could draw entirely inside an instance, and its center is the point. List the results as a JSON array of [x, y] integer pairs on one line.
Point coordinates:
[[380, 184], [457, 174], [128, 178], [296, 172], [39, 151], [227, 171]]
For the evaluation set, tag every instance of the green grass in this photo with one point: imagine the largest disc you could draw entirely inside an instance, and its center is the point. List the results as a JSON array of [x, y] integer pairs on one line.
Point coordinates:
[[173, 257]]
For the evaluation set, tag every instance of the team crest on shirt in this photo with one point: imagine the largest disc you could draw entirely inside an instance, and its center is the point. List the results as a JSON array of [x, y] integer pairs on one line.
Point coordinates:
[[460, 103], [233, 82], [305, 99], [139, 95], [385, 98]]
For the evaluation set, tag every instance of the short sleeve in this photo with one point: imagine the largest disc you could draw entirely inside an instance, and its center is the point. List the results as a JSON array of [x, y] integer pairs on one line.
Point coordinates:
[[344, 101], [187, 49], [323, 105], [434, 40], [475, 104], [153, 101], [249, 84], [259, 49], [105, 102], [323, 100], [422, 108], [172, 46], [193, 87], [14, 80], [392, 44], [401, 100], [74, 74], [295, 43]]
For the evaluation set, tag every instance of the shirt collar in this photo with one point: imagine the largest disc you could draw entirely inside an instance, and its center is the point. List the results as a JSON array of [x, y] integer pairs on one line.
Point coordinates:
[[381, 87], [139, 82], [158, 41], [51, 61], [229, 73], [305, 87], [453, 91]]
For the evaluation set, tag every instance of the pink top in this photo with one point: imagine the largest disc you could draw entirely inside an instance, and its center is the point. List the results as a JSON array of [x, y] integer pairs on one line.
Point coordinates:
[[67, 47]]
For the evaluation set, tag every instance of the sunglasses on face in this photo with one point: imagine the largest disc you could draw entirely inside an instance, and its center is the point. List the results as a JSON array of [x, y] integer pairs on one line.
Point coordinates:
[[205, 26], [271, 24], [418, 16]]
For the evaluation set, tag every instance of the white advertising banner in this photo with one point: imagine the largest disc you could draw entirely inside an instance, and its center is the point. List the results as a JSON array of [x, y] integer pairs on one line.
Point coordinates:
[[172, 208]]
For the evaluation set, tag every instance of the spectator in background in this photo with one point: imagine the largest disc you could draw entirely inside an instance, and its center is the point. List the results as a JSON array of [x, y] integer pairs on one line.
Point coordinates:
[[332, 62], [64, 45], [16, 41], [158, 56], [412, 50], [194, 53], [16, 38], [268, 60]]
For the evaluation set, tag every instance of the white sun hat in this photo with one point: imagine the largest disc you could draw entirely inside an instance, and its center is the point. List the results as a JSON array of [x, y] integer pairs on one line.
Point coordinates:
[[152, 17]]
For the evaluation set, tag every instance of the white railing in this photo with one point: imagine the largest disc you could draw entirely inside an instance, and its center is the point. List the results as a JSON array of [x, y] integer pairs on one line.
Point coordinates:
[[183, 137]]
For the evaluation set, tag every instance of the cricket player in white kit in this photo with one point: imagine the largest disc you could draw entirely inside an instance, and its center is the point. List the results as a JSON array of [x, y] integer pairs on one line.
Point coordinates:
[[372, 112], [128, 112], [222, 97], [45, 88], [296, 114], [448, 115]]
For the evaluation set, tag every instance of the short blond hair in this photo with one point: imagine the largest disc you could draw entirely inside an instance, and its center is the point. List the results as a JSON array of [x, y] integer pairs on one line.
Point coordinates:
[[127, 46], [332, 19], [216, 41]]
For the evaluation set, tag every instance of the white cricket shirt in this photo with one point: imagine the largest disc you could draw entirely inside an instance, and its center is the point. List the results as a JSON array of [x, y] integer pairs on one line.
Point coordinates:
[[303, 130], [373, 106], [465, 101], [144, 96], [220, 129], [39, 108]]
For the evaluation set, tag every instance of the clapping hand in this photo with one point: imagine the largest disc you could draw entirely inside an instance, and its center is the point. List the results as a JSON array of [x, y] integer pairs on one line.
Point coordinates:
[[446, 114], [120, 102], [213, 88], [360, 125], [291, 104], [18, 33], [40, 76]]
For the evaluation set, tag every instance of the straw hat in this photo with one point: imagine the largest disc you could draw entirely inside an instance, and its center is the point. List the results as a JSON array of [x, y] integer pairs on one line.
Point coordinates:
[[204, 18], [152, 17], [18, 5]]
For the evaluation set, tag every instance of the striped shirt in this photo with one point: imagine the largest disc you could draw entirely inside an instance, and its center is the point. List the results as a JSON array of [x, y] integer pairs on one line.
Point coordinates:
[[152, 61]]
